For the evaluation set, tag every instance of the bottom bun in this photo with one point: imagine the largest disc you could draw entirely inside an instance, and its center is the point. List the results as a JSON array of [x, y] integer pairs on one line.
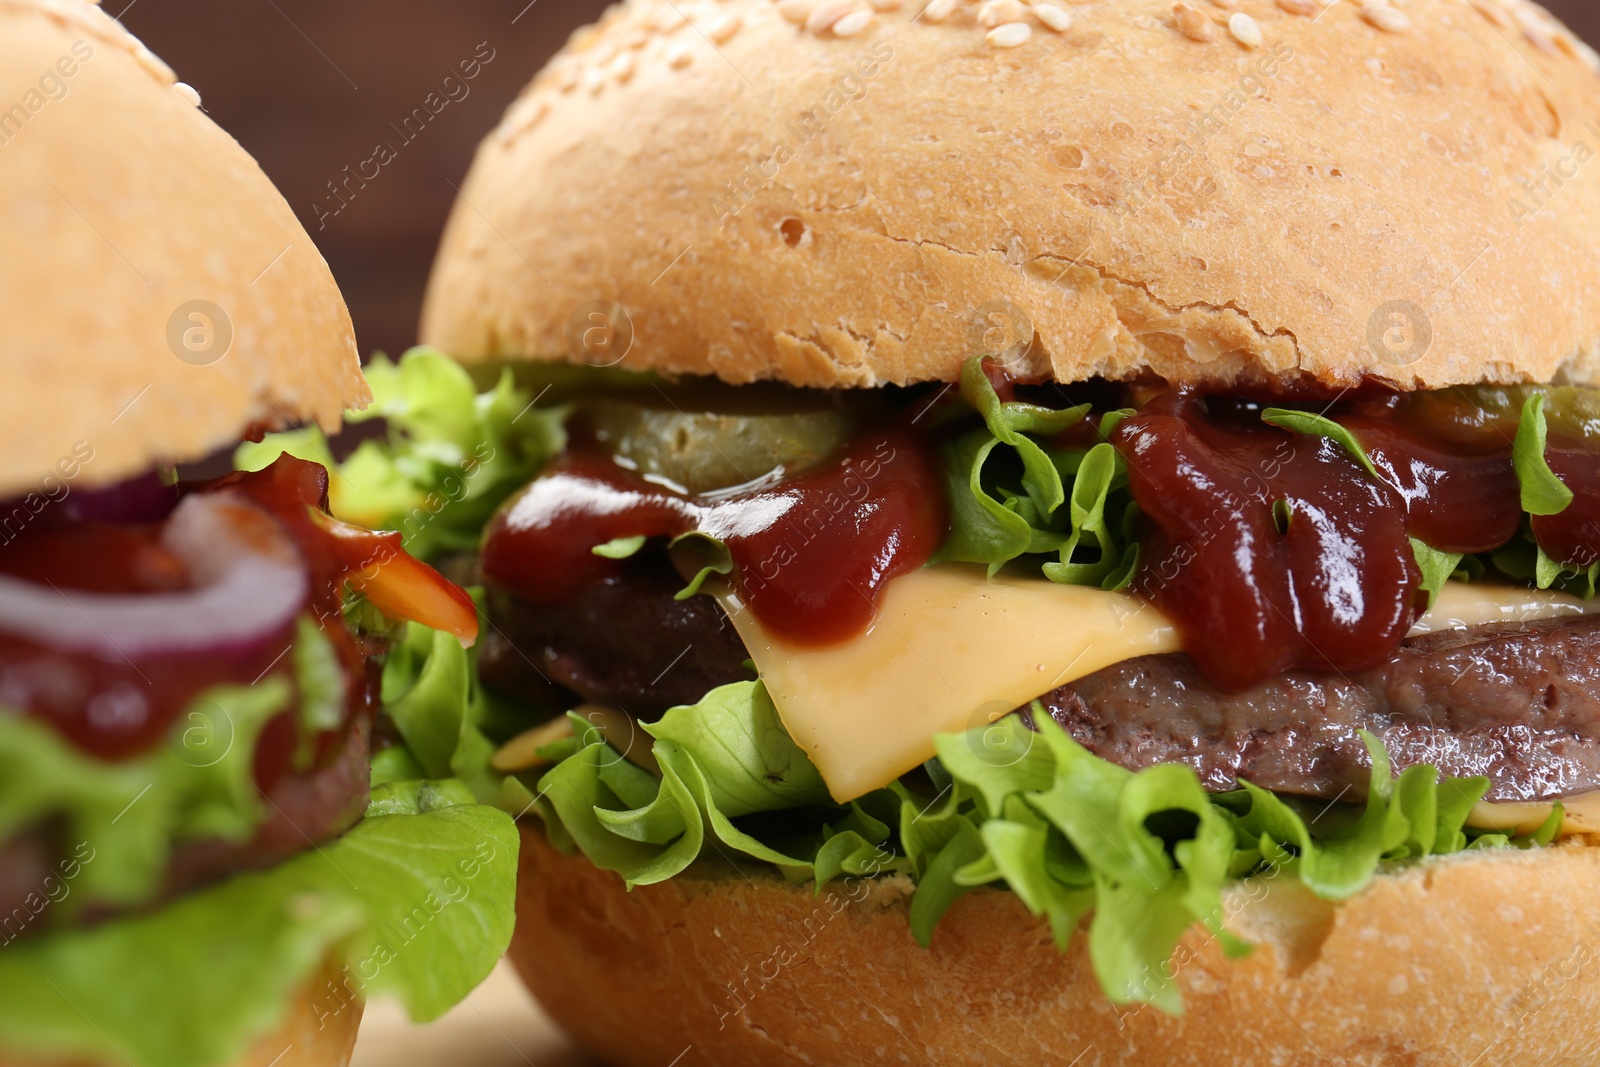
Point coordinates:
[[1484, 958], [309, 1036]]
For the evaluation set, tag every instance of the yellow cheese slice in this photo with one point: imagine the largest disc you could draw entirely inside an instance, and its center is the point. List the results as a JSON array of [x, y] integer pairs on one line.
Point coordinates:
[[951, 650]]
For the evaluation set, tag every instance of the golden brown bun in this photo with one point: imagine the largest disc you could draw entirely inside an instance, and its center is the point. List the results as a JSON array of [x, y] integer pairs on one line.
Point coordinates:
[[1484, 959], [310, 1036], [1198, 210], [121, 202]]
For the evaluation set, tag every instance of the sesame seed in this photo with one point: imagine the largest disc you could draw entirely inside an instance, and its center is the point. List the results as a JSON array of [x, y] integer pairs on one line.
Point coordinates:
[[1010, 35], [825, 14], [622, 67], [1299, 7], [853, 23], [602, 53], [938, 10], [1386, 18], [723, 27], [795, 10], [188, 92], [594, 80], [679, 56], [635, 40], [887, 5], [667, 19], [1226, 5], [1056, 18], [567, 77], [994, 13], [1192, 22], [1245, 30]]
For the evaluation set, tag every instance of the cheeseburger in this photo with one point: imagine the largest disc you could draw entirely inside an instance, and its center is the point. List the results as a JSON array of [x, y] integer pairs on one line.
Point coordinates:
[[1073, 535], [228, 814]]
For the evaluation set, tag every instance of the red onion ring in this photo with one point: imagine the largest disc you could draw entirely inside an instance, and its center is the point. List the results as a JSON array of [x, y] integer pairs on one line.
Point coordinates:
[[249, 585]]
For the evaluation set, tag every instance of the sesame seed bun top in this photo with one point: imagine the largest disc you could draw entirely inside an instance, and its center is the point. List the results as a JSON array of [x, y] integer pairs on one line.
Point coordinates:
[[854, 192], [161, 298]]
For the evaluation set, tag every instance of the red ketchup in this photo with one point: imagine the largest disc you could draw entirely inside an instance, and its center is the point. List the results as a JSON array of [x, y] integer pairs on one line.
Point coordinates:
[[811, 553], [1572, 538], [1336, 588]]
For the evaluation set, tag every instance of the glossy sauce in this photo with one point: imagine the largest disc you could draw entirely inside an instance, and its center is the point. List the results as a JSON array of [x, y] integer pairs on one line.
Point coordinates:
[[1337, 588], [1572, 538], [115, 709], [811, 553]]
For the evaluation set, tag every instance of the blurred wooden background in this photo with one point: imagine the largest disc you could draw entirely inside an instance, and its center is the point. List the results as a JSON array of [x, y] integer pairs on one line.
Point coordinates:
[[311, 86]]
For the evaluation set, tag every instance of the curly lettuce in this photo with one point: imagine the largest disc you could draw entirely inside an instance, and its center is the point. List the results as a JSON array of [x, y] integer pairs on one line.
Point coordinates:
[[1141, 856], [449, 457]]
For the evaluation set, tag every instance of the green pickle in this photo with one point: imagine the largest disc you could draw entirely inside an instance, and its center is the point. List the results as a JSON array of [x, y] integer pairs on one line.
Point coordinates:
[[703, 451], [1480, 410]]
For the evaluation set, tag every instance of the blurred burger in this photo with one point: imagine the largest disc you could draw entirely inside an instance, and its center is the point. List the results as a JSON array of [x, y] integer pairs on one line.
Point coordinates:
[[193, 672], [1071, 537]]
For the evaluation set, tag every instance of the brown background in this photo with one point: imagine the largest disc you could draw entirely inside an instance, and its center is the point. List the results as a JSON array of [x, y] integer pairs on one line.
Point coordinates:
[[312, 87]]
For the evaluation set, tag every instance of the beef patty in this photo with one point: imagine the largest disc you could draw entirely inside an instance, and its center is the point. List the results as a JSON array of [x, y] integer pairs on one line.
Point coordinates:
[[626, 642], [1518, 703]]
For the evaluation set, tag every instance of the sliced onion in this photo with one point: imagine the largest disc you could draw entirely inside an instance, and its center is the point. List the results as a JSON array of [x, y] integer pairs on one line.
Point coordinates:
[[249, 582]]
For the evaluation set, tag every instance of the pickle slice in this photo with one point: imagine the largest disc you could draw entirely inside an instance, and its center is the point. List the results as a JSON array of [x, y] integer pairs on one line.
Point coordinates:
[[704, 451], [1570, 411]]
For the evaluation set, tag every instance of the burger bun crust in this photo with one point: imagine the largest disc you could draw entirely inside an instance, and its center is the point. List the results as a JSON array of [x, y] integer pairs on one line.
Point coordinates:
[[1483, 958], [1209, 194]]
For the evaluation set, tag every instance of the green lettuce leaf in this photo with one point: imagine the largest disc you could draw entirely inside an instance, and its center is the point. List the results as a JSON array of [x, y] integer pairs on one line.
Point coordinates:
[[1313, 425], [1436, 567], [704, 555], [416, 903], [451, 456], [745, 755], [620, 547], [1007, 488], [430, 691], [719, 760], [1542, 492]]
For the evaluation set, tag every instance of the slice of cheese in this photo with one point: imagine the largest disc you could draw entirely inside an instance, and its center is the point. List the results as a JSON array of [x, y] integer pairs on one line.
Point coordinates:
[[951, 650]]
